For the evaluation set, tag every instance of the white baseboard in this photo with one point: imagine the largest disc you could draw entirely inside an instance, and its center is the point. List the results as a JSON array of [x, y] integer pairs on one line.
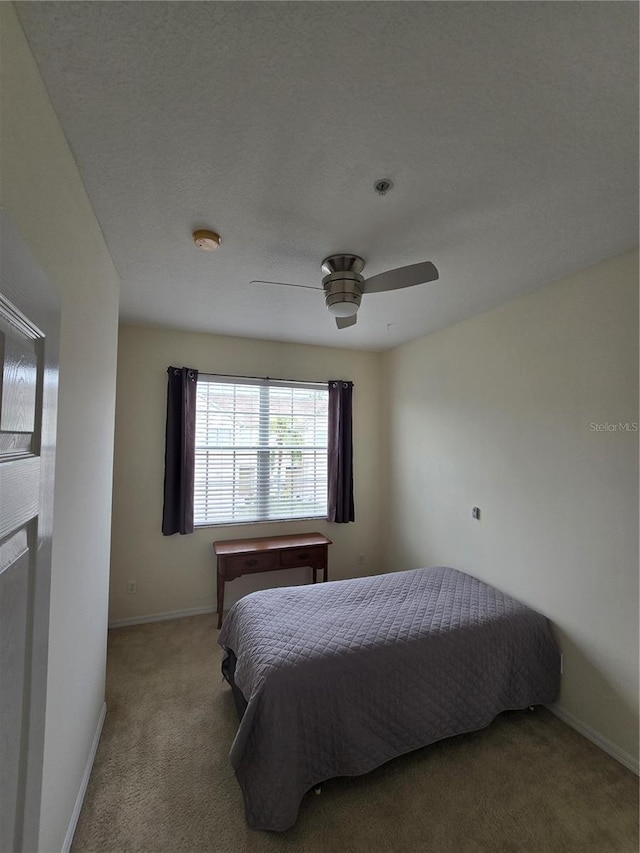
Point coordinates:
[[614, 751], [85, 781], [160, 617]]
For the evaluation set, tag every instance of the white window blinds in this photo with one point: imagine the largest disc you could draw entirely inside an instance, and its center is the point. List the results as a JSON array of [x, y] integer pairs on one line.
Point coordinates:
[[261, 450]]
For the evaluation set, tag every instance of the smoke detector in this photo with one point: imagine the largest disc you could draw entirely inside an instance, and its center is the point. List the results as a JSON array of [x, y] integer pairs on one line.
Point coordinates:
[[207, 240]]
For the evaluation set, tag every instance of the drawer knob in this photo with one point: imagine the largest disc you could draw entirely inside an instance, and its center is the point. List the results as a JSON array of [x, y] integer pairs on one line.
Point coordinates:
[[250, 562], [303, 555]]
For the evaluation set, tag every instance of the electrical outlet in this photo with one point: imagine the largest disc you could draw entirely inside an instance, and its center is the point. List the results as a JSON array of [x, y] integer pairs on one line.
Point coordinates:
[[475, 513], [132, 587], [360, 559]]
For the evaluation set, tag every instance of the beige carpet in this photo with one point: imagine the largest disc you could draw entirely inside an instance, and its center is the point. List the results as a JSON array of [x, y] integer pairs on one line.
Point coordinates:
[[162, 779]]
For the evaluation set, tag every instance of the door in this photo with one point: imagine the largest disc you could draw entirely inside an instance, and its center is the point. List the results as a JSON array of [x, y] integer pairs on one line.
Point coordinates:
[[29, 323]]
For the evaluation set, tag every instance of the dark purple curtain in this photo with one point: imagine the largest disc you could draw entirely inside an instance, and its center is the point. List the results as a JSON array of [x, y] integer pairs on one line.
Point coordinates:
[[177, 512], [340, 497]]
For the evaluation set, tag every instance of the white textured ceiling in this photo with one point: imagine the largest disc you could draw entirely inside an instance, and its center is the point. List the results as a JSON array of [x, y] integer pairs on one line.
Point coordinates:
[[510, 131]]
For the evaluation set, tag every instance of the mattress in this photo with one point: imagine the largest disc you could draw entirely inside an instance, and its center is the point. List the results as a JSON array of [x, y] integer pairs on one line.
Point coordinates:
[[341, 677]]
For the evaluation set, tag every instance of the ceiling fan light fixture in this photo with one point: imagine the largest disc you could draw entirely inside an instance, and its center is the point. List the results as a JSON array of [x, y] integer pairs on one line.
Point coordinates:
[[342, 293], [345, 307]]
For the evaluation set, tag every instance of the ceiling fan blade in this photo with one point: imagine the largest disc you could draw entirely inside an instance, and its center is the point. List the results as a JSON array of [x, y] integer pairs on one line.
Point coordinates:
[[287, 284], [345, 322], [401, 277]]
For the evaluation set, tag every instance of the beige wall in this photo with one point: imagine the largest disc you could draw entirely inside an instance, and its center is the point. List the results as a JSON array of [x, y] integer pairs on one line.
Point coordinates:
[[178, 572], [495, 412], [44, 196]]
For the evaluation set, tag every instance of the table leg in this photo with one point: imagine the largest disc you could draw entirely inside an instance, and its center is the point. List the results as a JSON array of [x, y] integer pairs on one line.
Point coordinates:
[[315, 574], [220, 598]]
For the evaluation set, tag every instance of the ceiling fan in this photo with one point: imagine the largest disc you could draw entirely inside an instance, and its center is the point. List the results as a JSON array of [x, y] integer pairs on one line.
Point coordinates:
[[344, 285]]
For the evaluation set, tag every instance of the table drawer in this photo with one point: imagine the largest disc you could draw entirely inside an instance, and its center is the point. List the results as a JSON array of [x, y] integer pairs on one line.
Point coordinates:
[[264, 562], [303, 556]]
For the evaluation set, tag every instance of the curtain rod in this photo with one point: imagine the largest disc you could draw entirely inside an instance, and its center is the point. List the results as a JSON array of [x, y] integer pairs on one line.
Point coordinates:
[[265, 378]]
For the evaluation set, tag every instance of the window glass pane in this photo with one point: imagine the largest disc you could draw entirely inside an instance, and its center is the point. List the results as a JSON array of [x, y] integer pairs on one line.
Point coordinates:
[[261, 451]]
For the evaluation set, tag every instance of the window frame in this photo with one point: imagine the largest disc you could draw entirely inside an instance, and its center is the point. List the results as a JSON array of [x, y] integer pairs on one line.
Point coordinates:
[[262, 383]]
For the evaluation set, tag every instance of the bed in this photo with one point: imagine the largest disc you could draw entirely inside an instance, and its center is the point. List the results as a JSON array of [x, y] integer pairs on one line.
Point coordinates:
[[337, 678]]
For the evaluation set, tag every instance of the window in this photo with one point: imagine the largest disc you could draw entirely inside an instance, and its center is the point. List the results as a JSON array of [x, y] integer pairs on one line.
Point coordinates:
[[261, 450]]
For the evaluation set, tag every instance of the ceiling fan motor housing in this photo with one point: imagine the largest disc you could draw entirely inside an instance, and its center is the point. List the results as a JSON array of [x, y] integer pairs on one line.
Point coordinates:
[[343, 284]]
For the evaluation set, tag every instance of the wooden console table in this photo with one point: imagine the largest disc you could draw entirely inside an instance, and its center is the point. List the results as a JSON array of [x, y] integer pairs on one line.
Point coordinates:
[[237, 557]]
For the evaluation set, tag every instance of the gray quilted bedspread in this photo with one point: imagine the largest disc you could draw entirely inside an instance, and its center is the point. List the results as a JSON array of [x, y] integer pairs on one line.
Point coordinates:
[[342, 676]]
